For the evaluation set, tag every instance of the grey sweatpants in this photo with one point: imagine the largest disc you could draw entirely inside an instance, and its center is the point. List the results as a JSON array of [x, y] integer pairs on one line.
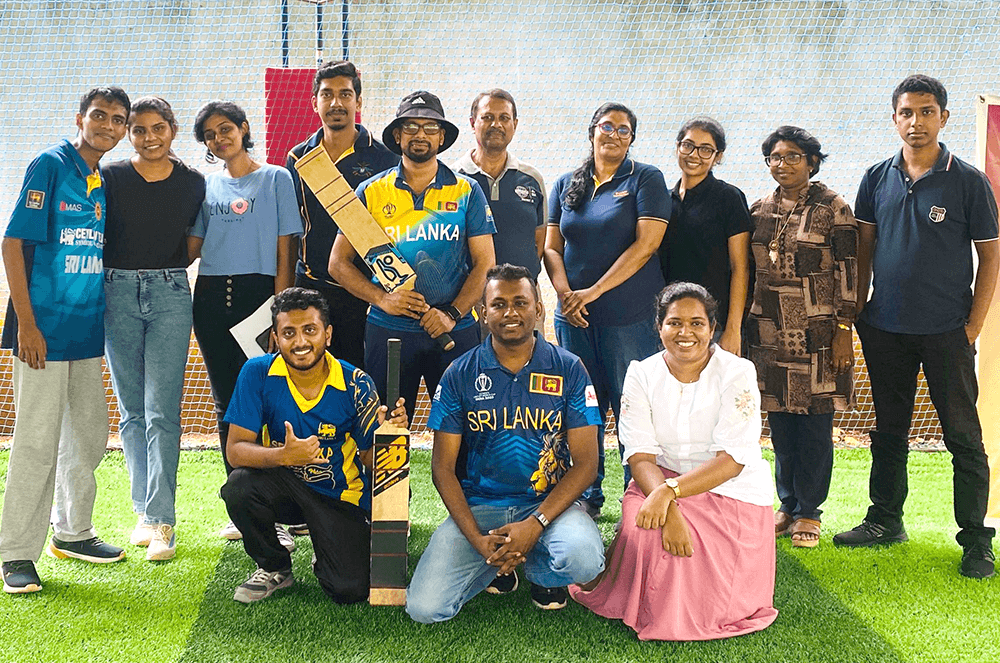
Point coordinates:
[[60, 434]]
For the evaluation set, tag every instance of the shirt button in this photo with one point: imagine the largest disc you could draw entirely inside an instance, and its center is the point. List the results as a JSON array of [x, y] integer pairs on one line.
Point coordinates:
[[910, 191], [229, 281], [229, 289]]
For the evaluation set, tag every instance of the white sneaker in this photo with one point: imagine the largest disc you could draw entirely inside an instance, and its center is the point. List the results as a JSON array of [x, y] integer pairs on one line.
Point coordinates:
[[230, 532], [262, 584], [164, 543], [142, 534], [284, 538]]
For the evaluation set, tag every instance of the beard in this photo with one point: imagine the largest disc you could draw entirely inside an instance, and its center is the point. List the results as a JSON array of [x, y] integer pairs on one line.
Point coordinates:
[[419, 157]]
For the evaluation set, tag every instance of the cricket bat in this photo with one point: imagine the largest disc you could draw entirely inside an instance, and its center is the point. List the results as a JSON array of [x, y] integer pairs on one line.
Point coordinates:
[[368, 238], [390, 499]]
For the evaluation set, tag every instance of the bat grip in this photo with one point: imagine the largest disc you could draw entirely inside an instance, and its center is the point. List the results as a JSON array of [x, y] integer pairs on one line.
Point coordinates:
[[446, 342], [393, 346]]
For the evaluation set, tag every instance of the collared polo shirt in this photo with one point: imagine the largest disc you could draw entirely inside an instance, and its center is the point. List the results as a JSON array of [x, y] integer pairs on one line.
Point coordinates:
[[695, 247], [601, 229], [59, 216], [431, 230], [513, 426], [367, 157], [922, 263], [343, 417], [517, 199]]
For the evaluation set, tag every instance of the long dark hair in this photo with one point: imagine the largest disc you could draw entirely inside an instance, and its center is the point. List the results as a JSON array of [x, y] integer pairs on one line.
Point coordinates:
[[582, 176]]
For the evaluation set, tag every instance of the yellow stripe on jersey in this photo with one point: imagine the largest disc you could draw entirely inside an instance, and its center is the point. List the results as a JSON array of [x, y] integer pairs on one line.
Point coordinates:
[[335, 379], [355, 486]]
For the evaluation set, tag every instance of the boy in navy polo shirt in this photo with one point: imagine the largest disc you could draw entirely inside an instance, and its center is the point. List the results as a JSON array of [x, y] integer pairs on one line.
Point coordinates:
[[52, 252], [514, 423], [927, 208]]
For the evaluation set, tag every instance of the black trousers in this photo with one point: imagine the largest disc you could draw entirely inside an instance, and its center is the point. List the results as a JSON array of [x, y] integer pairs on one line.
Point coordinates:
[[219, 303], [803, 461], [949, 367], [347, 317], [340, 532], [420, 356]]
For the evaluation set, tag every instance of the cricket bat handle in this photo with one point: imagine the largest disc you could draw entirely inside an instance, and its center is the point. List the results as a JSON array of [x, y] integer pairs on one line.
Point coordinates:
[[446, 342], [393, 349]]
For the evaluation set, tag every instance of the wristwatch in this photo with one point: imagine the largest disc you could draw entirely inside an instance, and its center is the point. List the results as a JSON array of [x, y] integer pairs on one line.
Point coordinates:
[[672, 482], [540, 517], [452, 312]]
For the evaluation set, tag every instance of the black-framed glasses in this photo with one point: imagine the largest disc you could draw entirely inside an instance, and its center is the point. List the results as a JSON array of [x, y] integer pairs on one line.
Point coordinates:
[[411, 128], [686, 147], [609, 129], [792, 159]]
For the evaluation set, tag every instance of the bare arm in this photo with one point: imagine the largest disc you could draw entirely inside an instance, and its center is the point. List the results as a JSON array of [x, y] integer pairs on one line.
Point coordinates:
[[437, 322], [739, 279], [31, 345], [556, 268], [242, 450], [540, 241], [703, 478], [285, 276], [867, 234], [194, 247], [986, 281]]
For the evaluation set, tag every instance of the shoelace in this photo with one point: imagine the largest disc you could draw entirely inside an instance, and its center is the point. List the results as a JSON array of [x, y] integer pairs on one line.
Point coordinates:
[[160, 533], [981, 551], [259, 577], [869, 527]]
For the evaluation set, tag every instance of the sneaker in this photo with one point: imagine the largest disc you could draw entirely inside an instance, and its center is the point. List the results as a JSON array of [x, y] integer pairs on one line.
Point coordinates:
[[977, 561], [284, 538], [230, 532], [549, 598], [91, 550], [164, 543], [20, 577], [301, 529], [503, 584], [870, 534], [142, 534], [262, 584]]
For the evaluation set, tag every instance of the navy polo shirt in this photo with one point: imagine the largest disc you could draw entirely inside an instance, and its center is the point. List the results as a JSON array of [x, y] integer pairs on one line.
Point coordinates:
[[601, 229], [366, 158], [922, 264], [517, 199], [513, 427], [696, 245]]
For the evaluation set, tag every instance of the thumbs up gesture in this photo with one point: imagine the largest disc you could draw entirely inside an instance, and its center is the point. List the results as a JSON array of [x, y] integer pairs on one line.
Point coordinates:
[[301, 451]]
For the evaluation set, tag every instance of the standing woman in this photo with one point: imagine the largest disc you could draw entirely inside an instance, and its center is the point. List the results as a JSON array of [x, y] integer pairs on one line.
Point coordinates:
[[153, 200], [606, 221], [805, 244], [708, 240], [245, 237]]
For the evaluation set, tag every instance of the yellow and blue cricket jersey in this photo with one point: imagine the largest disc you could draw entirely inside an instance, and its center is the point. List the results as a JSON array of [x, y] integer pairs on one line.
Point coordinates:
[[343, 417], [431, 231]]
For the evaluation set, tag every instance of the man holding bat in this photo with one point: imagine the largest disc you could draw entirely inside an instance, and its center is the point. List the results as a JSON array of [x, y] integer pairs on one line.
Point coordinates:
[[317, 416], [441, 224], [514, 422]]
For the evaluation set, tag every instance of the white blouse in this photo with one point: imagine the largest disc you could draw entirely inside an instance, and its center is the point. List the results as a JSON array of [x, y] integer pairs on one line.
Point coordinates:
[[685, 425]]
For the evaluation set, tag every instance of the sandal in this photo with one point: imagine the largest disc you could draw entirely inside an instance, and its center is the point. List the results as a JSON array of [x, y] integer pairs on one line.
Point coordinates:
[[782, 521], [801, 527]]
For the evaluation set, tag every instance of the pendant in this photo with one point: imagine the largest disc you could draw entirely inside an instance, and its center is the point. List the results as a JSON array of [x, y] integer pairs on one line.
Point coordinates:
[[773, 255]]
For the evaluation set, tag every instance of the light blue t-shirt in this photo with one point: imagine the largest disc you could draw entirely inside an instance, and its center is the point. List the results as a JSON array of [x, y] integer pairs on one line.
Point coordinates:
[[241, 220]]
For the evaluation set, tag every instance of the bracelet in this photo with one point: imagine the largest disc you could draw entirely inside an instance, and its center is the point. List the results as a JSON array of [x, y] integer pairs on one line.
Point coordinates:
[[540, 517]]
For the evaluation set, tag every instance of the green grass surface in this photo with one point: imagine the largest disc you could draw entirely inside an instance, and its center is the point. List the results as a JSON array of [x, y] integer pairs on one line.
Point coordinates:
[[906, 603]]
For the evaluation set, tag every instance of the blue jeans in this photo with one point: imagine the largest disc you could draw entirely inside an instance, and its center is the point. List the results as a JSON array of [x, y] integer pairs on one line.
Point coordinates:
[[606, 353], [148, 332], [451, 571]]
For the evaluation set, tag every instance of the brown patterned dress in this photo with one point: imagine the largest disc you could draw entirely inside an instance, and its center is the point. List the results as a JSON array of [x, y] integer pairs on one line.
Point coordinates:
[[803, 287]]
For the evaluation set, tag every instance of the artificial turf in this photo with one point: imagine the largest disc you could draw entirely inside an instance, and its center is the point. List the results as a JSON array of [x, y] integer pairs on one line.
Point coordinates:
[[906, 603]]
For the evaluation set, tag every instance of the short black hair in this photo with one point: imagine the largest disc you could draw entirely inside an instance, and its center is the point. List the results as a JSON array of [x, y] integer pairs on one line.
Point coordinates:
[[805, 141], [921, 83], [495, 93], [707, 124], [299, 299], [229, 110], [509, 272], [684, 290], [335, 70], [111, 94]]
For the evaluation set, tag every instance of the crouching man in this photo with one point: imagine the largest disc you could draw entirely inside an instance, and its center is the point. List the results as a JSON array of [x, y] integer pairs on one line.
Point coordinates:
[[317, 416], [514, 425]]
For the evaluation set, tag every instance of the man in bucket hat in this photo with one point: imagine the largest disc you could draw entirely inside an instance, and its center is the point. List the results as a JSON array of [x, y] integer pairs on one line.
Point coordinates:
[[442, 225]]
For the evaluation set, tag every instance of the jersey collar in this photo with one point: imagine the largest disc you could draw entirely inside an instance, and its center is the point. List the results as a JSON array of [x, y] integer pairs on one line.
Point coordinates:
[[466, 165], [362, 142], [541, 358], [335, 379], [444, 177], [942, 164]]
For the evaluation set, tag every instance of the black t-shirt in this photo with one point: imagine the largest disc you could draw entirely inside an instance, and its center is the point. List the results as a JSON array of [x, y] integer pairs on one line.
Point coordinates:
[[148, 222], [695, 247]]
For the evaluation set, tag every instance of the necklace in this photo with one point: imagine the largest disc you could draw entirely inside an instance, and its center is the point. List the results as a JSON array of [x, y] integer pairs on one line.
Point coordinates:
[[772, 246]]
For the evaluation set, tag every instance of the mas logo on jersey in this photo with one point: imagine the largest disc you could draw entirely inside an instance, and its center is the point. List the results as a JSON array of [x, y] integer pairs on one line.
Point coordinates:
[[70, 207], [34, 199], [590, 396], [551, 385], [937, 214]]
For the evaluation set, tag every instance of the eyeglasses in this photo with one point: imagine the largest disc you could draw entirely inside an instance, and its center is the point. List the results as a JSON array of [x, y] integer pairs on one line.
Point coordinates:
[[792, 159], [686, 147], [411, 128], [609, 129]]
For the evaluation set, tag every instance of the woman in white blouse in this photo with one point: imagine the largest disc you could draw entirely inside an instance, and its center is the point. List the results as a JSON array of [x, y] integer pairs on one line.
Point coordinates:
[[694, 558]]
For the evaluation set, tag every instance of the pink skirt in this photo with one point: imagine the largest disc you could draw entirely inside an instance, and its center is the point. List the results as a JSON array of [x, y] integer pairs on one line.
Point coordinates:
[[726, 588]]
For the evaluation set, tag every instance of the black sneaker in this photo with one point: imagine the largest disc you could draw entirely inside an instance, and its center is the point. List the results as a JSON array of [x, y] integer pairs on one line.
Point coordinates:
[[503, 584], [549, 598], [977, 561], [870, 534], [20, 577], [262, 584], [91, 550]]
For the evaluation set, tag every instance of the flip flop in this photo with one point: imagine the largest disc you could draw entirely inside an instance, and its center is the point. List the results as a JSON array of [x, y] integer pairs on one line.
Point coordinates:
[[804, 526], [782, 521]]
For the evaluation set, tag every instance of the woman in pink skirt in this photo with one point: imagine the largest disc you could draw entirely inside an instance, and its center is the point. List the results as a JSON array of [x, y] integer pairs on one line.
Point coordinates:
[[694, 558]]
